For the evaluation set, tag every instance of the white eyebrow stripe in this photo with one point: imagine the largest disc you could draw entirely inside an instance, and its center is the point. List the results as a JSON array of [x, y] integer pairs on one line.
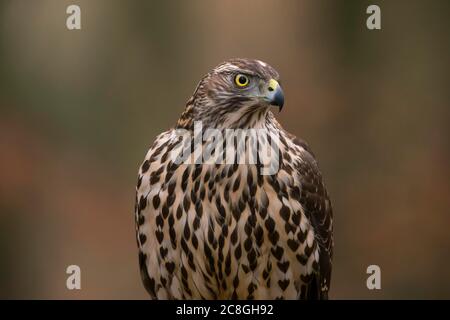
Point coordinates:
[[263, 64], [226, 67]]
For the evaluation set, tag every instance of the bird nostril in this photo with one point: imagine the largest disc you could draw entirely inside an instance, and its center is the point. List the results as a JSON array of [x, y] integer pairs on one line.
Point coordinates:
[[270, 89]]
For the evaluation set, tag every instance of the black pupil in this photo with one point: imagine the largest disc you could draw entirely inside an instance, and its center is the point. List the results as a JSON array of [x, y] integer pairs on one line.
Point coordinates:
[[242, 79]]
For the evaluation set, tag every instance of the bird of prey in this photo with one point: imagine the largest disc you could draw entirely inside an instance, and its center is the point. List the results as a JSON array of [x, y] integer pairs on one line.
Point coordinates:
[[226, 230]]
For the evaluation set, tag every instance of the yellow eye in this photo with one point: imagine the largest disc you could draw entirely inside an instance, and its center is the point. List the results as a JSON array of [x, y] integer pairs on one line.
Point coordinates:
[[242, 80]]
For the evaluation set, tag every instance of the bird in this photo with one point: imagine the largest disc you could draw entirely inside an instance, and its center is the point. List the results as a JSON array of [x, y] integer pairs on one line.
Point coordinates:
[[228, 230]]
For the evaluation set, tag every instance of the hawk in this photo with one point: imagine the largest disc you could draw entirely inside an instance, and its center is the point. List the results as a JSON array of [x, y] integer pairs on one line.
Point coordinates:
[[226, 230]]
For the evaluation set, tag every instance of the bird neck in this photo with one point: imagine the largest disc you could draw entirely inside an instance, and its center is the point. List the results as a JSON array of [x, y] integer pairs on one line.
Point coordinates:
[[254, 117]]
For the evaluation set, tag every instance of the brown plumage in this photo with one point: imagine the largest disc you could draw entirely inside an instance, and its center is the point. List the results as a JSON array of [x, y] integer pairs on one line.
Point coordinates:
[[225, 230]]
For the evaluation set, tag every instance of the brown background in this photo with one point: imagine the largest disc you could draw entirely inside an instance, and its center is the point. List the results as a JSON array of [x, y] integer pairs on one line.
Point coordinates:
[[80, 108]]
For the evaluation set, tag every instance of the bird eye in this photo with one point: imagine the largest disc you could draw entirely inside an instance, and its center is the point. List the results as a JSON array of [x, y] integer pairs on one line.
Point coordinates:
[[242, 80]]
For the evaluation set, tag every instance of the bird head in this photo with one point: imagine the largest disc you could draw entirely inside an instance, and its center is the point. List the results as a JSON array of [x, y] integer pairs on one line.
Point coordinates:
[[238, 93]]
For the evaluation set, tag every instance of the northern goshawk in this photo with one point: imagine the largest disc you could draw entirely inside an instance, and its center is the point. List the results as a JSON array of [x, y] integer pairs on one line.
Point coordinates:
[[226, 229]]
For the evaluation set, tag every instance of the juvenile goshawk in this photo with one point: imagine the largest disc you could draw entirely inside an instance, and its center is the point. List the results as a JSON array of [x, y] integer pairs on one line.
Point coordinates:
[[226, 230]]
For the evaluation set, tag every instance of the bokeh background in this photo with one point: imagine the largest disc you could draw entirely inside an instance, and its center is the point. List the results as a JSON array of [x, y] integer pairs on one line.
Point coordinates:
[[80, 108]]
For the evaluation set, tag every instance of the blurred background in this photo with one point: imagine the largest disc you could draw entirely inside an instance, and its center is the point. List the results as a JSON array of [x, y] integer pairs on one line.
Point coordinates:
[[79, 109]]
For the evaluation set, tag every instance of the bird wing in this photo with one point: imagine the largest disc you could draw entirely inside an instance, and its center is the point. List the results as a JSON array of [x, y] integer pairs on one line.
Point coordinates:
[[151, 194], [317, 208]]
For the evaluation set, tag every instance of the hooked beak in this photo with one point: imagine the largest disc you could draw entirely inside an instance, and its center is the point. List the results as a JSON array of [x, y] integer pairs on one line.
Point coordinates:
[[275, 95]]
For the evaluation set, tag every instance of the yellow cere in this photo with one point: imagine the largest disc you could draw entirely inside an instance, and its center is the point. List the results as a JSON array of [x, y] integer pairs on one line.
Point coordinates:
[[273, 84]]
